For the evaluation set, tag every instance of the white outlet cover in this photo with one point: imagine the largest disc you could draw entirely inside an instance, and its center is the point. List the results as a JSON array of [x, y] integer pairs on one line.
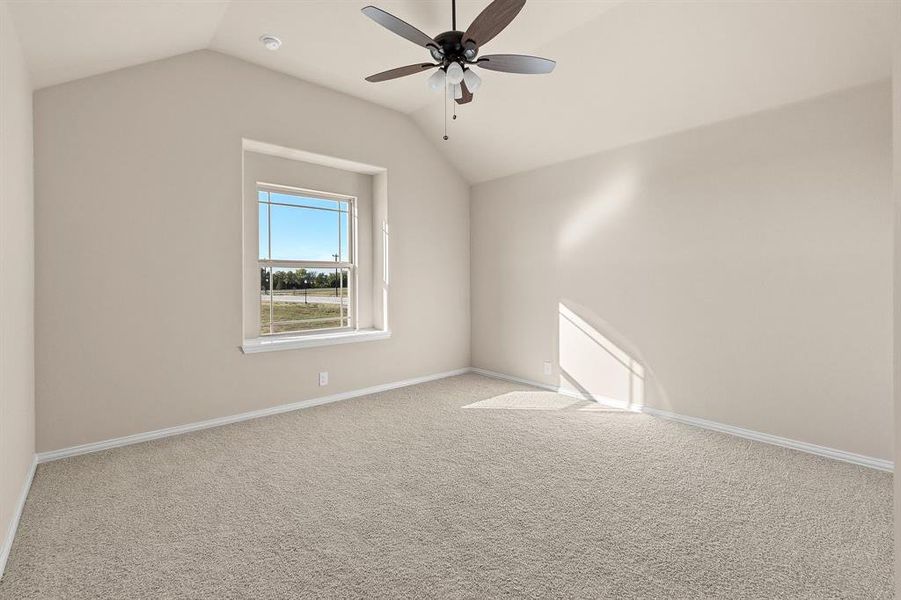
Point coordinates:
[[323, 378], [547, 367]]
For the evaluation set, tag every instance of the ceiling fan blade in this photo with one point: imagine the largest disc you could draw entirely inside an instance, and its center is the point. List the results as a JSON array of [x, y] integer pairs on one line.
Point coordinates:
[[492, 20], [400, 72], [516, 63], [467, 95], [401, 28]]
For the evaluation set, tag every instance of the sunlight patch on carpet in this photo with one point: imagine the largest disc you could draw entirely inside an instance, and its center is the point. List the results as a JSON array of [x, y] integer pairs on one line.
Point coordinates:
[[526, 401]]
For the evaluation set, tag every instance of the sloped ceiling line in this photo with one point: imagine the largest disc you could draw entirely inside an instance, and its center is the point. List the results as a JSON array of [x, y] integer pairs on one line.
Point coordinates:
[[626, 72]]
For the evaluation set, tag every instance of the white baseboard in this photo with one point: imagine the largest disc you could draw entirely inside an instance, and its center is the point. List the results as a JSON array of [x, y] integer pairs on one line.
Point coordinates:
[[17, 515], [849, 457], [505, 377], [867, 461], [127, 440], [766, 438]]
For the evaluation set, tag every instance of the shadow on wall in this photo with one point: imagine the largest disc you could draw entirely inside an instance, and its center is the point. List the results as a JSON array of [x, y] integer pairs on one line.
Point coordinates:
[[595, 367]]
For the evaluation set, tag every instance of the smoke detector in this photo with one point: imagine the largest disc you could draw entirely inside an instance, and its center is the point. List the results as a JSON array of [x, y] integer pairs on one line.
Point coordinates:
[[271, 42]]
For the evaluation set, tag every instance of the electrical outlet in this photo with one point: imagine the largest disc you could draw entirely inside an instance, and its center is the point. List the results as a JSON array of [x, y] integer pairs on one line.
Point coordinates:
[[547, 367], [323, 378]]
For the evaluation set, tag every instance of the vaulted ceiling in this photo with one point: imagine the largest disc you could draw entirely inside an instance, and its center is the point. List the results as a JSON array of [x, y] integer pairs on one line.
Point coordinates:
[[627, 70]]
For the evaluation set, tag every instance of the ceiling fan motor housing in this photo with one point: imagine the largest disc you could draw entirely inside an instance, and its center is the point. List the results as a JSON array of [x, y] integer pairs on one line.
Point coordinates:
[[453, 49]]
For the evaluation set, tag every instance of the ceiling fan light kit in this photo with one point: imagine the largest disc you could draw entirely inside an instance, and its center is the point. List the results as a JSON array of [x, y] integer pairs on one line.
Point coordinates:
[[438, 80], [472, 81], [456, 52], [454, 73], [454, 92]]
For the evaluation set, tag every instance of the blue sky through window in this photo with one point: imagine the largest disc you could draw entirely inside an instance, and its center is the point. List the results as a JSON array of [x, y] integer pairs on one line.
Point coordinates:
[[299, 233]]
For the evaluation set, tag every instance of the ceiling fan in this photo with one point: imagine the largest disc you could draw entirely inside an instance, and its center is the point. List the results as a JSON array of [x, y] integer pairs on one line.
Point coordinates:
[[454, 52]]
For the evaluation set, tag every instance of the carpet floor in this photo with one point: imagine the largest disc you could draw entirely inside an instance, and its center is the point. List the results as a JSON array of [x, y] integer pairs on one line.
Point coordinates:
[[466, 487]]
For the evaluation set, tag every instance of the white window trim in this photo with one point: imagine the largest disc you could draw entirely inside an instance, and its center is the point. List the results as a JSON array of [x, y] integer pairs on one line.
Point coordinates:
[[311, 340], [380, 211]]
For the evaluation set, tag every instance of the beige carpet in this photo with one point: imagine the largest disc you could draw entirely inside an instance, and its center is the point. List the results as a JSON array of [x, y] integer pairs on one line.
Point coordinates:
[[460, 488]]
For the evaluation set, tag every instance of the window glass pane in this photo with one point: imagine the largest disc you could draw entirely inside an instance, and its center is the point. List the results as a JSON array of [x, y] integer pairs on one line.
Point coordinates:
[[308, 299], [299, 228], [297, 200], [265, 302], [264, 230], [343, 218], [304, 234]]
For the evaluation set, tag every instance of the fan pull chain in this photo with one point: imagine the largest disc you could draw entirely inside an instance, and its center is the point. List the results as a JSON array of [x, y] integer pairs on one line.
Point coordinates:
[[445, 111]]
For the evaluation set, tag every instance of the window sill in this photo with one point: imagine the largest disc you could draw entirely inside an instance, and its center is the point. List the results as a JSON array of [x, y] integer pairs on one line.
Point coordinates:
[[310, 341]]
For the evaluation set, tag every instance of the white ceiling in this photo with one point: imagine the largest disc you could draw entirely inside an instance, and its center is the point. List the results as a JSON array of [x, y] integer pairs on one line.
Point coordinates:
[[644, 69], [626, 71], [65, 40]]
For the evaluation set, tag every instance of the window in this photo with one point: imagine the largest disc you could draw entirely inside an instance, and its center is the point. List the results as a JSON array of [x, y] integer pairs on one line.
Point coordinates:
[[306, 260], [314, 264]]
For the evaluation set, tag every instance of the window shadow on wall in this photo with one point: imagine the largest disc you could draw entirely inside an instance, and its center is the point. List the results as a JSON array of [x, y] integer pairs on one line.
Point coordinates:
[[595, 367]]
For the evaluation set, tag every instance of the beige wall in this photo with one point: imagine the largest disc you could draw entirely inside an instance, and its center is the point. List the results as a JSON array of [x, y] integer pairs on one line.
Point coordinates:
[[138, 214], [744, 268], [896, 156], [16, 274]]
